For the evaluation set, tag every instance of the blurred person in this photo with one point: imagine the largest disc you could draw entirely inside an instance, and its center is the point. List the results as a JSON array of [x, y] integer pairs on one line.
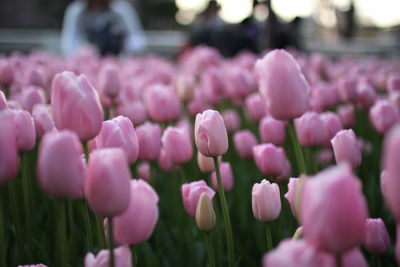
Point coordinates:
[[347, 24], [110, 25]]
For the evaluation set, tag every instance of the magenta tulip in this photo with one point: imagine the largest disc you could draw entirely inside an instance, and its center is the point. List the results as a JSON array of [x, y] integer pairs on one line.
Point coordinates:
[[61, 168], [244, 142], [75, 105], [107, 188], [333, 196], [191, 193], [210, 134], [119, 132], [282, 85], [377, 240], [137, 223], [272, 131], [266, 201]]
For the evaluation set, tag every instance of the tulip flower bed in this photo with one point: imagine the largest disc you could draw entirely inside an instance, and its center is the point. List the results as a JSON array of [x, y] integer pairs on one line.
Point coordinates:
[[285, 159]]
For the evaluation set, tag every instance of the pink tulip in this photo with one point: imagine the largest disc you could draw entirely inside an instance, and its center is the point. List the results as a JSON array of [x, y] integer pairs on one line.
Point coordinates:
[[122, 256], [333, 196], [346, 148], [347, 88], [6, 72], [383, 115], [244, 142], [25, 128], [231, 120], [310, 129], [347, 116], [43, 120], [394, 98], [162, 103], [226, 177], [293, 194], [61, 168], [109, 81], [272, 161], [137, 223], [164, 161], [393, 83], [3, 101], [239, 82], [266, 201], [177, 144], [332, 125], [135, 111], [366, 94], [377, 240], [206, 164], [75, 105], [391, 167], [185, 86], [272, 131], [210, 134], [255, 107], [213, 85], [282, 85], [149, 137], [144, 171], [9, 161], [297, 253], [37, 76], [107, 188], [324, 97], [325, 157], [353, 258], [191, 194], [32, 96], [119, 132]]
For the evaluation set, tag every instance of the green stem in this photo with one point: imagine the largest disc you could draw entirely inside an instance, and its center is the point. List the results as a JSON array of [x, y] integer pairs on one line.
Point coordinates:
[[86, 151], [297, 149], [134, 255], [88, 227], [209, 248], [17, 223], [3, 253], [224, 206], [62, 234], [111, 241], [27, 206], [310, 158], [338, 258], [269, 236]]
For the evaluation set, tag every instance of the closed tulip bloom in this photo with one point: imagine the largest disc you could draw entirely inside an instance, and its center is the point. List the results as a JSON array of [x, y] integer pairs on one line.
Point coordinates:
[[109, 82], [177, 144], [135, 111], [377, 240], [297, 253], [162, 103], [310, 129], [3, 101], [107, 188], [383, 115], [119, 132], [226, 177], [272, 131], [76, 105], [206, 164], [332, 125], [346, 148], [244, 142], [137, 223], [231, 120], [32, 96], [61, 168], [393, 83], [282, 85], [293, 195], [324, 97], [25, 128], [9, 161], [210, 134], [334, 196], [347, 116], [191, 193], [149, 137], [265, 201], [43, 120], [353, 258], [390, 176], [122, 258], [271, 161], [255, 107], [144, 171], [366, 94], [347, 88], [205, 215], [6, 72], [164, 161]]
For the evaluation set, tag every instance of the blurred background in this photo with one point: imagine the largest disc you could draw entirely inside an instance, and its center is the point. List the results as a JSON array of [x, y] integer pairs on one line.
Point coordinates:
[[356, 27]]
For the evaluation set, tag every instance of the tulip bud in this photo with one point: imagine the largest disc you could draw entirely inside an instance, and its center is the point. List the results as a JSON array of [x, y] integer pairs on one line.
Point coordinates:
[[149, 137], [135, 111], [377, 240], [383, 115], [255, 107], [272, 131], [177, 144], [266, 201], [231, 120], [210, 134], [346, 148], [272, 161], [43, 120], [347, 116], [206, 164], [26, 135], [162, 103], [244, 142], [332, 125], [9, 161], [205, 215], [191, 193], [298, 234], [310, 129], [144, 171]]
